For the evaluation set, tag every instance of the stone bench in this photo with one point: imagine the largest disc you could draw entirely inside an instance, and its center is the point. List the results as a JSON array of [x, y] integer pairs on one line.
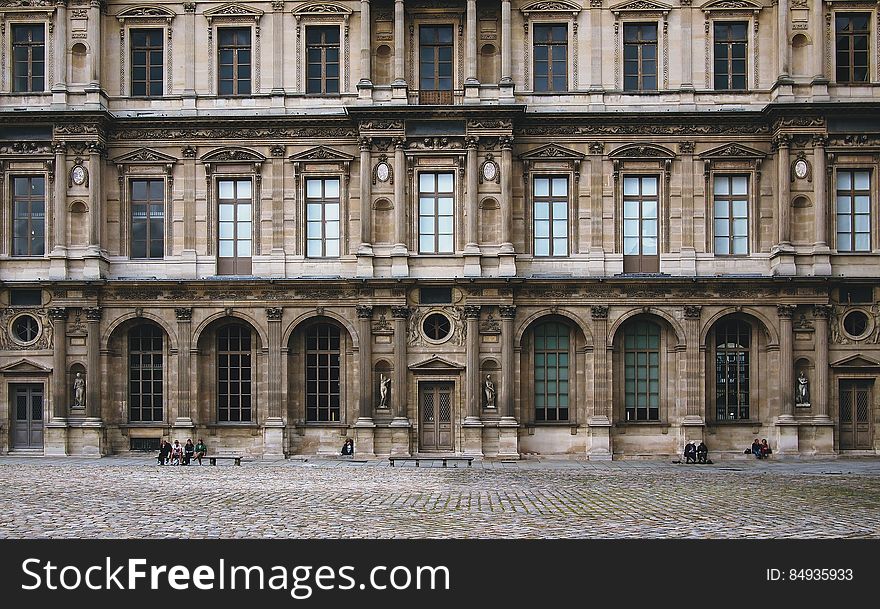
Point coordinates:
[[443, 459], [212, 459]]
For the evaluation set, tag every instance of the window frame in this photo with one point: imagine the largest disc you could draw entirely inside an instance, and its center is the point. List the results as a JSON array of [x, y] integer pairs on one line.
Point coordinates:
[[571, 408], [151, 354], [869, 35], [640, 44], [47, 65], [323, 47], [132, 49], [254, 376], [550, 88], [131, 202], [550, 199], [323, 201], [871, 169], [729, 175], [234, 179], [435, 195], [752, 378], [729, 60], [621, 373], [308, 15], [236, 48], [340, 366], [12, 178], [624, 198]]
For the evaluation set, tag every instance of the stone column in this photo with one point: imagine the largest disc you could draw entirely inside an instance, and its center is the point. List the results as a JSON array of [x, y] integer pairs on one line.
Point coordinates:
[[399, 251], [60, 84], [278, 52], [782, 40], [782, 187], [364, 426], [820, 196], [400, 425], [60, 390], [189, 74], [94, 34], [273, 427], [688, 258], [95, 213], [93, 359], [506, 53], [471, 82], [819, 392], [595, 47], [508, 427], [472, 427], [184, 361], [817, 21], [599, 430], [694, 409], [472, 212], [365, 84], [687, 54], [507, 264], [786, 425], [58, 262], [365, 247], [398, 85], [278, 206]]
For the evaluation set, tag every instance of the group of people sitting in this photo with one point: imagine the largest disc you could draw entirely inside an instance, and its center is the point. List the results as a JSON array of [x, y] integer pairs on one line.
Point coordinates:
[[761, 449], [696, 454], [175, 454]]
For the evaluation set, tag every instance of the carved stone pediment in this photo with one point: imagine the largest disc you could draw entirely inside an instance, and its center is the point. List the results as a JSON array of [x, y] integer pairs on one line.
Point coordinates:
[[321, 153], [551, 152], [144, 156], [231, 154], [732, 151], [27, 4], [731, 6], [640, 6], [856, 361], [145, 12], [24, 366], [436, 364], [234, 11], [322, 8], [642, 151], [551, 6]]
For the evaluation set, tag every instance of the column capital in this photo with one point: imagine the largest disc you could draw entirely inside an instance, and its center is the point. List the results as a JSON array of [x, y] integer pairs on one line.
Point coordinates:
[[822, 311], [692, 311], [59, 147], [471, 142], [183, 313], [278, 6], [687, 147], [399, 143], [597, 147], [599, 312], [472, 311], [189, 7], [399, 312], [188, 152], [820, 140], [785, 311], [507, 311], [93, 314], [364, 311], [274, 313], [365, 144], [58, 313], [783, 140], [506, 142]]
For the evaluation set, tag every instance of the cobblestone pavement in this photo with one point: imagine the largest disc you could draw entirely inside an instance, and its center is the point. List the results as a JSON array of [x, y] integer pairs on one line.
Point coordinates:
[[308, 498]]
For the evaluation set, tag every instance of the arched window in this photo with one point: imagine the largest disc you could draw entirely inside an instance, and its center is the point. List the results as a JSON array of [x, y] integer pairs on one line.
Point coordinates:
[[642, 371], [234, 387], [322, 373], [732, 361], [145, 378], [551, 371]]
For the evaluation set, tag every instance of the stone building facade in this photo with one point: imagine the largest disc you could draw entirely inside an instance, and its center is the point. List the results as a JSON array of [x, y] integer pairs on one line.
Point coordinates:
[[495, 228]]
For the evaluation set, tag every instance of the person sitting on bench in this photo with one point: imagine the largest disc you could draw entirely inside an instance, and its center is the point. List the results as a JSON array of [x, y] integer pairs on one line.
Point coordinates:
[[201, 451], [690, 452], [702, 453], [348, 448]]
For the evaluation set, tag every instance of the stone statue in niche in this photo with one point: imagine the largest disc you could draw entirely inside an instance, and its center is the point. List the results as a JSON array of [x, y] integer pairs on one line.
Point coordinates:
[[489, 390], [79, 391], [803, 389], [384, 390]]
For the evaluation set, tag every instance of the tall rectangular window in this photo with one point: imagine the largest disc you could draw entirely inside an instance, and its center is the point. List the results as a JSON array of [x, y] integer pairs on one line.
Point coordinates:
[[147, 62], [551, 216], [854, 211], [642, 371], [731, 42], [29, 58], [147, 218], [435, 213], [234, 61], [145, 373], [323, 387], [551, 372], [852, 46], [435, 64], [731, 215], [322, 217], [234, 379], [732, 340], [28, 216], [640, 224], [640, 57], [551, 57], [235, 227], [322, 52]]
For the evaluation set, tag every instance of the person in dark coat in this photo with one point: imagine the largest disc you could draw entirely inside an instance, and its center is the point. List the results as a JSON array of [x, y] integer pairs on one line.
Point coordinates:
[[189, 449], [348, 447], [690, 453], [756, 449], [164, 452], [702, 453]]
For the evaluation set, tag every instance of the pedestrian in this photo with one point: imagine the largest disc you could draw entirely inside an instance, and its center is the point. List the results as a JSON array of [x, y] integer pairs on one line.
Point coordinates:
[[201, 451], [164, 451], [189, 450], [702, 453], [690, 452]]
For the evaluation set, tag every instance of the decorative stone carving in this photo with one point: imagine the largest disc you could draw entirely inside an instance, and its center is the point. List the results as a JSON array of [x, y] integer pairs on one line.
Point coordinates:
[[274, 313], [785, 311], [489, 391], [384, 390], [93, 313], [507, 311], [692, 311], [79, 391], [364, 311], [599, 312], [802, 393]]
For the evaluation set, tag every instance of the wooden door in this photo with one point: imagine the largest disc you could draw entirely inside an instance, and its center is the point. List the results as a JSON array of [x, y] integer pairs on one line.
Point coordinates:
[[435, 416], [855, 415], [27, 406]]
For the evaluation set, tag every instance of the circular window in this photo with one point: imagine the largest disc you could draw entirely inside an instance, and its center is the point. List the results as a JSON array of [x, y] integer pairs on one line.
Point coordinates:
[[436, 327], [25, 329], [856, 324]]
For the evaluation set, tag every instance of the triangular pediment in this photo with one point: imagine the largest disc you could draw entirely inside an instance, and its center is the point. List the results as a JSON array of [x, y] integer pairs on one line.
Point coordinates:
[[731, 5], [145, 12], [436, 364], [321, 153], [321, 8], [145, 156], [233, 10], [551, 152], [24, 366], [856, 361], [551, 6], [642, 151], [231, 154], [640, 6], [732, 151]]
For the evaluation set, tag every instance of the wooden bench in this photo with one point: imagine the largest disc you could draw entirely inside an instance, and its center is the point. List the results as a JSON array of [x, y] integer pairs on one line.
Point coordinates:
[[443, 459], [212, 459]]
